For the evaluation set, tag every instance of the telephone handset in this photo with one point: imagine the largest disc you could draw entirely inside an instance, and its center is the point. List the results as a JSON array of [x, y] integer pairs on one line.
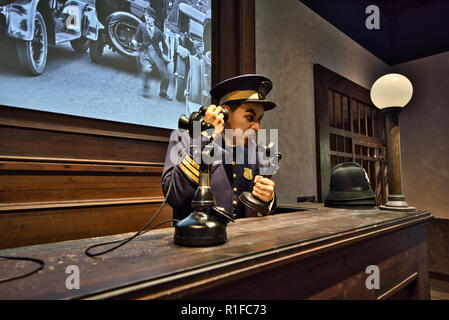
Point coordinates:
[[187, 123]]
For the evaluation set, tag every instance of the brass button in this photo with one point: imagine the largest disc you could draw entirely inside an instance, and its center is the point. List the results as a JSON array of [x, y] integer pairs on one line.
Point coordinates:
[[234, 175], [233, 163], [234, 215], [235, 189], [234, 202]]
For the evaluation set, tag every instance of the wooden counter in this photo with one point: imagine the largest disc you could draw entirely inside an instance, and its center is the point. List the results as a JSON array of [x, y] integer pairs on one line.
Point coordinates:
[[322, 253]]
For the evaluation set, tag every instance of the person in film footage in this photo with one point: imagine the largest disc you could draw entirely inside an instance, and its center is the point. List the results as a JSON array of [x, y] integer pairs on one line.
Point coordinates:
[[149, 39], [244, 98]]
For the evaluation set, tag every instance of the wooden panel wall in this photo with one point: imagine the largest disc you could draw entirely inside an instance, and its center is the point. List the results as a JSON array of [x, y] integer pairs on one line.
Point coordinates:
[[64, 177], [233, 38]]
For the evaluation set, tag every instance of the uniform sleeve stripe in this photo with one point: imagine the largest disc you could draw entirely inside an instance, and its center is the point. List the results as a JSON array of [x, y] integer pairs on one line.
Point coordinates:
[[192, 169], [190, 174], [192, 162]]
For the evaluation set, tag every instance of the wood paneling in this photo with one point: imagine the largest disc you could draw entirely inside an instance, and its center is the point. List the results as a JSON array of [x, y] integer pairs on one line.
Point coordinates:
[[77, 219], [233, 41], [56, 144], [17, 187], [438, 246], [66, 177]]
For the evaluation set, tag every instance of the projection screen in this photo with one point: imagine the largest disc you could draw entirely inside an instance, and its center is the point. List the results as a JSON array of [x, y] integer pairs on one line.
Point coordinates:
[[86, 58]]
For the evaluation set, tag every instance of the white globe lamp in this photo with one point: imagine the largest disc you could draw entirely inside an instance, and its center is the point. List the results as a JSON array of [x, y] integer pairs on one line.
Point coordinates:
[[391, 93]]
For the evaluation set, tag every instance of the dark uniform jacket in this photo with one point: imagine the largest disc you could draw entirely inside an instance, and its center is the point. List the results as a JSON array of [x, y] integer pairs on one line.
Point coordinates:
[[228, 180], [143, 36]]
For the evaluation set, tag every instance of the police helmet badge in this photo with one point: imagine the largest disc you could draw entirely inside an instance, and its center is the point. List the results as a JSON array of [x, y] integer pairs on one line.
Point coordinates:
[[248, 173], [264, 88]]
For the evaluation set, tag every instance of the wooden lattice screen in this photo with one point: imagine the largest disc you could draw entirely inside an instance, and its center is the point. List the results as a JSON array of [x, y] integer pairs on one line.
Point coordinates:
[[349, 129]]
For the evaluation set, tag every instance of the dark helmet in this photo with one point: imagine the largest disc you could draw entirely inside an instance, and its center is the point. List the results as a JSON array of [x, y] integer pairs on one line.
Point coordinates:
[[350, 187]]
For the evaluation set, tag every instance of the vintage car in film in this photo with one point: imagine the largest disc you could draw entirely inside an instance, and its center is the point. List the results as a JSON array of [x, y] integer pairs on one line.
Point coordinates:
[[35, 24], [120, 19]]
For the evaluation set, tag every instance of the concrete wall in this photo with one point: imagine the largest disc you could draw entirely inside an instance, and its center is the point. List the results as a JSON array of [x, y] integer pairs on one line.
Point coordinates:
[[424, 125], [290, 39]]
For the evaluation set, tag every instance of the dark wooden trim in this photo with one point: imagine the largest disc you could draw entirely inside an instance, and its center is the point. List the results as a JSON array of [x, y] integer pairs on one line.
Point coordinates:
[[390, 293], [439, 276], [78, 161], [247, 25], [11, 207], [48, 225], [322, 140], [348, 155], [215, 42], [366, 140], [43, 120], [65, 165], [233, 41], [438, 248]]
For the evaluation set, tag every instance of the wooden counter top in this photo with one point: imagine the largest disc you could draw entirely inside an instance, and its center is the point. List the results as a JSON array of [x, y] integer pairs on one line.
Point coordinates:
[[151, 266]]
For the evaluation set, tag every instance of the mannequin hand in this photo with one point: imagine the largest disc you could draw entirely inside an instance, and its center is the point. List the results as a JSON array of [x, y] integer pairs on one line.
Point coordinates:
[[263, 188], [215, 117]]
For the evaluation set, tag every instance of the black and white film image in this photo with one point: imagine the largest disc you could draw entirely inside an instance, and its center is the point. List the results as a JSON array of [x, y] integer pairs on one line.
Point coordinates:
[[135, 61]]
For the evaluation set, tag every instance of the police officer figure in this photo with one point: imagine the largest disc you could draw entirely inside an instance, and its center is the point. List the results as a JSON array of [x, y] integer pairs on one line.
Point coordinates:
[[244, 97], [150, 37]]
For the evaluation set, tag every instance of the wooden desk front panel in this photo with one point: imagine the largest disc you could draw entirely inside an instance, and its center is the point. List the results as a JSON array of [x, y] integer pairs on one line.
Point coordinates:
[[338, 274]]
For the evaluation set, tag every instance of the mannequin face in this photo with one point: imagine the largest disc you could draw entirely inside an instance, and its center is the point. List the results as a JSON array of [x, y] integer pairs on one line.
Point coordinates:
[[245, 121]]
